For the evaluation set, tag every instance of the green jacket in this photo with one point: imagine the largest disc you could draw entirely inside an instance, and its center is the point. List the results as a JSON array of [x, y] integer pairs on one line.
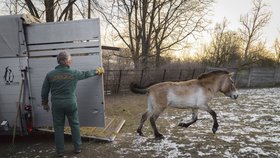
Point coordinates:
[[62, 82]]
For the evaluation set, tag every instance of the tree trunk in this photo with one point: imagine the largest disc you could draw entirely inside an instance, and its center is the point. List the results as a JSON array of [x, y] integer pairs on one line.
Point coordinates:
[[32, 9], [49, 5], [89, 9], [70, 11], [145, 46], [66, 9]]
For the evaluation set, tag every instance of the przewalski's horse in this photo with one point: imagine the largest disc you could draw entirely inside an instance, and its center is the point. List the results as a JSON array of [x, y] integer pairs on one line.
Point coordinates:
[[193, 94]]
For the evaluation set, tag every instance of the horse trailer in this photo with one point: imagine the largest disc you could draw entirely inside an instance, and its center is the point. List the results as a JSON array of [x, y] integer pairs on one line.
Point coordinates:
[[28, 50]]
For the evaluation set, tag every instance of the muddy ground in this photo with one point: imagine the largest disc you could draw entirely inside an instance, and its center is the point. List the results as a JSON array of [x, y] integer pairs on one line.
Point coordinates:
[[249, 127]]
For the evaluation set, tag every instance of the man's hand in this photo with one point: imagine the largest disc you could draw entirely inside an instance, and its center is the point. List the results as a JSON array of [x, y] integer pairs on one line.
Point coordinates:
[[99, 71], [46, 107]]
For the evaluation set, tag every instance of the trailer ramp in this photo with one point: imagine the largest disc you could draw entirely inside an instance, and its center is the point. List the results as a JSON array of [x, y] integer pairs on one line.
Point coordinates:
[[107, 133]]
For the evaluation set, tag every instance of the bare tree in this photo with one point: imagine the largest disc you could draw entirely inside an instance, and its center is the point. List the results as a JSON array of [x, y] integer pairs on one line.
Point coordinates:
[[51, 10], [32, 9], [68, 10], [150, 27], [276, 46], [12, 6], [175, 22], [252, 25], [224, 49]]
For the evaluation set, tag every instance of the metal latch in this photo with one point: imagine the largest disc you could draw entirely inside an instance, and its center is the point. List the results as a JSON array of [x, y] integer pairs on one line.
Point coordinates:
[[5, 125]]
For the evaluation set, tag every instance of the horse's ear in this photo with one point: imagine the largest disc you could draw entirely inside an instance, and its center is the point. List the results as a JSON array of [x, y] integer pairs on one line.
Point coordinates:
[[231, 74]]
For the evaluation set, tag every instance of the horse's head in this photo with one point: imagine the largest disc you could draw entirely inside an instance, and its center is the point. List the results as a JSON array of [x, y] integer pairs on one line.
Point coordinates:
[[228, 87]]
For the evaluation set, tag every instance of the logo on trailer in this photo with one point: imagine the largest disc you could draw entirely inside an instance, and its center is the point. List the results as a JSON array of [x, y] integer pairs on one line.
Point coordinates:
[[9, 76]]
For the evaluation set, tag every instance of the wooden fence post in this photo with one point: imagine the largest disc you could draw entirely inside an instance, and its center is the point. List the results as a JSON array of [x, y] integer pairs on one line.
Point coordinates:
[[164, 72], [141, 77], [180, 74], [106, 81], [274, 76], [119, 84], [249, 78], [193, 73], [235, 76]]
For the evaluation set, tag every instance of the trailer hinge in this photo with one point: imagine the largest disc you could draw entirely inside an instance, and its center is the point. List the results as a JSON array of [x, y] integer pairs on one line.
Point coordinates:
[[31, 98], [26, 69]]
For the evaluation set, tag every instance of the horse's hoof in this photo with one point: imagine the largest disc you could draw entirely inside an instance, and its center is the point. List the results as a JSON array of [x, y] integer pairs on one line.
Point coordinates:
[[140, 133], [159, 136], [181, 124], [214, 130], [184, 125]]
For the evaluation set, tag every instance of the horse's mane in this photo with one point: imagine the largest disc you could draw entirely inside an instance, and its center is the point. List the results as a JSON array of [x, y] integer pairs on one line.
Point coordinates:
[[209, 74]]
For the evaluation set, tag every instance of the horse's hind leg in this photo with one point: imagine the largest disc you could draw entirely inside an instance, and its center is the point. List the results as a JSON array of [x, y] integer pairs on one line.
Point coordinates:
[[153, 119], [143, 119], [193, 120]]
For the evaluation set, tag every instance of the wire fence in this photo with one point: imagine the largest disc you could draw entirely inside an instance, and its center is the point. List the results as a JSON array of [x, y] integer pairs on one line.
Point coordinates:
[[118, 81]]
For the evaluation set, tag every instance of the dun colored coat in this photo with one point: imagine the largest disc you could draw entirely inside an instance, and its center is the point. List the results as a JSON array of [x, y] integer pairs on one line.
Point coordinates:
[[193, 94]]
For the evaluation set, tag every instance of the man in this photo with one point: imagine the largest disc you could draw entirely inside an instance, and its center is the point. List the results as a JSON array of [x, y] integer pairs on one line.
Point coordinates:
[[62, 82]]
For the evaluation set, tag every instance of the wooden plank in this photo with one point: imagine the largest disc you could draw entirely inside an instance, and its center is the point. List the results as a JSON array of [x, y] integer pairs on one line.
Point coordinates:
[[63, 45], [70, 51], [108, 133], [107, 125], [115, 125], [63, 31]]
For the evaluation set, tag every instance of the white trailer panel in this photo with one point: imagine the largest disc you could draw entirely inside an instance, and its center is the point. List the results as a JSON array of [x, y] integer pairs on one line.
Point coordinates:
[[82, 40], [89, 91], [80, 30], [12, 39], [10, 81]]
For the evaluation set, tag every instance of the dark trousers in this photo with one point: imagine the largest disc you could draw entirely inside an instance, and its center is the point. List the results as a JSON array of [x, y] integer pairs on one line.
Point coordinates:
[[60, 110]]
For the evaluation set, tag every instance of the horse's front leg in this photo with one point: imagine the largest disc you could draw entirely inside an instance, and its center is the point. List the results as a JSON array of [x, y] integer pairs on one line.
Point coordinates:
[[193, 120], [214, 116]]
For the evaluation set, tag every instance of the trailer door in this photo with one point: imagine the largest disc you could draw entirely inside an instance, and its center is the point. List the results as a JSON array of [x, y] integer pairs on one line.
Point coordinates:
[[82, 40]]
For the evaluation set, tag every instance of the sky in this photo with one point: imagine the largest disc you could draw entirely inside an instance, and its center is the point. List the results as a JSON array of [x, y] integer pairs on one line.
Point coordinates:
[[232, 9]]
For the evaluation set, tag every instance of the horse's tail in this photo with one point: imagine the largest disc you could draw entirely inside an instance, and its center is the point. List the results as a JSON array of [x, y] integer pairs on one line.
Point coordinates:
[[135, 88]]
